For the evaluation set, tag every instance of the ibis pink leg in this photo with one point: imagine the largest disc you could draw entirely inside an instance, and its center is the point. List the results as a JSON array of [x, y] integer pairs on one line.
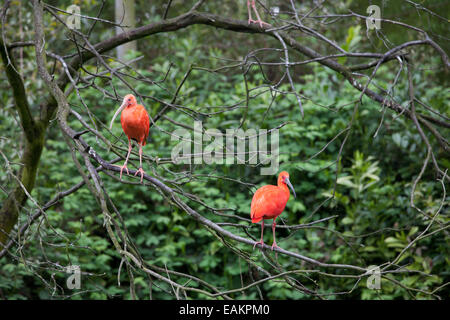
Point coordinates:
[[274, 245], [261, 242], [250, 19], [141, 171]]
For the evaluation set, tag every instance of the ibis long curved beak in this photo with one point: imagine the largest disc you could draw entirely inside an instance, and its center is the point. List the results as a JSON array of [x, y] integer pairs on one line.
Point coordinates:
[[116, 114], [290, 186]]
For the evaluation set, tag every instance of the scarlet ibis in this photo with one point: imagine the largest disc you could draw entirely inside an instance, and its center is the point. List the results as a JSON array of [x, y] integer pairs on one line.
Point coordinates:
[[268, 203], [136, 125], [250, 19]]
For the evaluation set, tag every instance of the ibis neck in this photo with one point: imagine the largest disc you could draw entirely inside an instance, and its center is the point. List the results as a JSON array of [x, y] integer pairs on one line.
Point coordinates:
[[283, 187]]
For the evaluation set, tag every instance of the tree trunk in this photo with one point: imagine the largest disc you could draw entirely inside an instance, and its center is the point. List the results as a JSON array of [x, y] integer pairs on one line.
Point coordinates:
[[9, 212], [34, 133]]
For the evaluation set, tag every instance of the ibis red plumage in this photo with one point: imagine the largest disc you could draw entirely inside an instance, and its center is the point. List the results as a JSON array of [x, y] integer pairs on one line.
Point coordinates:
[[269, 202], [136, 125]]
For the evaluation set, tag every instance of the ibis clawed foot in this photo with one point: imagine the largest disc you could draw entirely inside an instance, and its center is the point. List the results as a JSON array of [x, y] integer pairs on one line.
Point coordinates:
[[274, 245], [259, 242], [250, 19], [121, 169], [142, 172]]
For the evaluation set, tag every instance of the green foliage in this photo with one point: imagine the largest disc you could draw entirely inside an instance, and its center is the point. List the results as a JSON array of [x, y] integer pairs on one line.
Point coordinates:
[[369, 185]]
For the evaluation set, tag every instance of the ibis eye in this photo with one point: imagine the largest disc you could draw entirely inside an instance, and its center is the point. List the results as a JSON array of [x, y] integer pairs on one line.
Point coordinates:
[[129, 99]]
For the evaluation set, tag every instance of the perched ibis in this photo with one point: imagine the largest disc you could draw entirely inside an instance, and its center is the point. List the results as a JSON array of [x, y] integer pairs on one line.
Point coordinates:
[[268, 203], [251, 5], [136, 125]]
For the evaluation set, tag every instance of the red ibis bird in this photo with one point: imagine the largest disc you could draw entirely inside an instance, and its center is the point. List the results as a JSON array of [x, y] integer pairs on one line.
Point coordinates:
[[268, 203], [136, 125], [250, 19]]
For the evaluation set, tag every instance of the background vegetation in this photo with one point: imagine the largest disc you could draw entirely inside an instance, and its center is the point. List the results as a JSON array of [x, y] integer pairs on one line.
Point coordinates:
[[369, 182]]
